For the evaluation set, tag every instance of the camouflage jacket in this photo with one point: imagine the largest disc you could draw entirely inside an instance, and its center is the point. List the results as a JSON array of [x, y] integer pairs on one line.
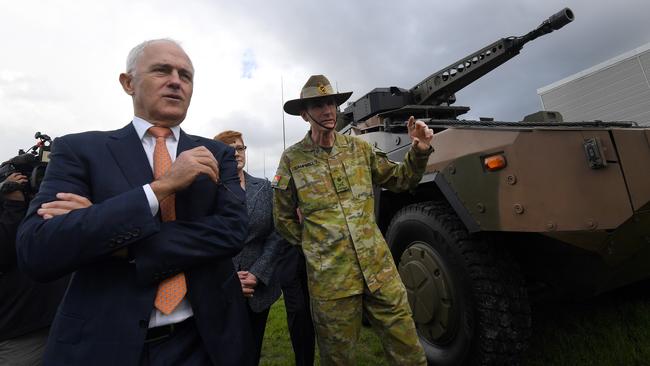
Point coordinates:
[[342, 244]]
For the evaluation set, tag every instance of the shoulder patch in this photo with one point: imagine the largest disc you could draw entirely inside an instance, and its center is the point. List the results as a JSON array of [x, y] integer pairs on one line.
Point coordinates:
[[280, 182]]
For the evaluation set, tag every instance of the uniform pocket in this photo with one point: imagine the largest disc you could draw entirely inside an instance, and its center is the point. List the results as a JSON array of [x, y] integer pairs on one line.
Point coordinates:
[[315, 189], [359, 176]]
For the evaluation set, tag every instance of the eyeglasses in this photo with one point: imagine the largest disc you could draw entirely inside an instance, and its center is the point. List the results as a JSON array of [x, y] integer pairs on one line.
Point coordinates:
[[240, 149]]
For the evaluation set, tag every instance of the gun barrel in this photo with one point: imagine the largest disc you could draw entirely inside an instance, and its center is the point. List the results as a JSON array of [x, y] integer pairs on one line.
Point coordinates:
[[442, 85], [560, 19], [553, 23], [439, 88]]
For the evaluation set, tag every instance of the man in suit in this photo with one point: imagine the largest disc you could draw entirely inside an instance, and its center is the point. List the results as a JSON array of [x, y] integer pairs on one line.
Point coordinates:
[[153, 279]]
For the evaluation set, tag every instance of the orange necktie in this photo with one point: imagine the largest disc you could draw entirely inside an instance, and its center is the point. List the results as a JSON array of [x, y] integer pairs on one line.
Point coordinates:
[[171, 290]]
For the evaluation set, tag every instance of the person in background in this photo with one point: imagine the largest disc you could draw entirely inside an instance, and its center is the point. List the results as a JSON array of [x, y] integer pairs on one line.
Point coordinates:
[[292, 275], [257, 261], [26, 307]]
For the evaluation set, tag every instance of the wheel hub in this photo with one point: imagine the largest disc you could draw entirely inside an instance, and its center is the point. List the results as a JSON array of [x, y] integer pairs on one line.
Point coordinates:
[[429, 292]]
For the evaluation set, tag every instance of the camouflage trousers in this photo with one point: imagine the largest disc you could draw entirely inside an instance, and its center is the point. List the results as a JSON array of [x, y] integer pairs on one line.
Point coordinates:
[[338, 324]]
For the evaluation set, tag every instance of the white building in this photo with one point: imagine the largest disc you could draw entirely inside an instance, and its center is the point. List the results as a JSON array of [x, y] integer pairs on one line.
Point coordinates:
[[615, 90]]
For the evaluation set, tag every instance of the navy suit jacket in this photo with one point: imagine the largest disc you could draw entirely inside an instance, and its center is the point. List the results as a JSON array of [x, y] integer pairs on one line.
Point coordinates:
[[104, 315]]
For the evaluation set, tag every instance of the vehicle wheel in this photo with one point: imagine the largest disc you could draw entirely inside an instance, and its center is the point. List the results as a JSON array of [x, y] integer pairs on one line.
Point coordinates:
[[468, 298]]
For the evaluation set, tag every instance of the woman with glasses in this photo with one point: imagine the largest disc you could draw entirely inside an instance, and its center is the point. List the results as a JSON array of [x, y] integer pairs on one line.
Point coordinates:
[[256, 263]]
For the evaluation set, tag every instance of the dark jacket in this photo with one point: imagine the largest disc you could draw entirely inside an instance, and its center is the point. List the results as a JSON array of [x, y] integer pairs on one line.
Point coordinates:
[[25, 305], [104, 316], [260, 253]]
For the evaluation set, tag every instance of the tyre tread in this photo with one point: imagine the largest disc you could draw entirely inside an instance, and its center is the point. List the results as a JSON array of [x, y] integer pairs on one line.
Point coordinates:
[[501, 301]]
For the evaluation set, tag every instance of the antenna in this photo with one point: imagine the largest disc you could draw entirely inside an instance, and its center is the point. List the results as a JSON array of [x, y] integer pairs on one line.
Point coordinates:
[[264, 162], [284, 142]]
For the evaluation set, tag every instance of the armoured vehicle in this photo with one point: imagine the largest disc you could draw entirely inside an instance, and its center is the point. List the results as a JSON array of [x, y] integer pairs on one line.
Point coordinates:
[[506, 212]]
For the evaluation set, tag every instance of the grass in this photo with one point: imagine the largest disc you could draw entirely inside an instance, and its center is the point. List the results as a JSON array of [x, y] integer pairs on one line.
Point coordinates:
[[277, 351], [610, 330]]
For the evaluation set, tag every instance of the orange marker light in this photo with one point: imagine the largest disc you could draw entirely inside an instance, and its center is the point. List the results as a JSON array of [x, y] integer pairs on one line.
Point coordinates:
[[494, 162]]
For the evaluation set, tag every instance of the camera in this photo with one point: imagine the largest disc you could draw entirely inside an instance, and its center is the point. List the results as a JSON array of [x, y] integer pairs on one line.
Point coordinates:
[[31, 164]]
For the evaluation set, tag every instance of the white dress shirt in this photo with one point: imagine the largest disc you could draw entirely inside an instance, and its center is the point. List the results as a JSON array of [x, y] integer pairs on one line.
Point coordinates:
[[184, 309]]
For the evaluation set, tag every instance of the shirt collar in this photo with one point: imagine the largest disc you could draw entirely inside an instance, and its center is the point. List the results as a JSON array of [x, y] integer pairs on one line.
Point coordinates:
[[141, 127], [339, 142]]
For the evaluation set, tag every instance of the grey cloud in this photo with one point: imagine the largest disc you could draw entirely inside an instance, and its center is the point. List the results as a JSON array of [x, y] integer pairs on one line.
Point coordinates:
[[368, 44], [359, 45]]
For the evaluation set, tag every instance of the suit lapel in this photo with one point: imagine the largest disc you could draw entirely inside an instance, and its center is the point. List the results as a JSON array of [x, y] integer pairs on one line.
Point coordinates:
[[253, 187], [185, 199], [126, 148], [186, 142]]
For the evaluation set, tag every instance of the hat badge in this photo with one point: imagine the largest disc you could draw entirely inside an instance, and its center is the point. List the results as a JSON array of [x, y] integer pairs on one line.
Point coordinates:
[[322, 89]]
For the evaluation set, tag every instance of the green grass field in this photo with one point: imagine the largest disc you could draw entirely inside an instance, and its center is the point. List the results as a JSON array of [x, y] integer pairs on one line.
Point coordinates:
[[612, 329], [276, 350]]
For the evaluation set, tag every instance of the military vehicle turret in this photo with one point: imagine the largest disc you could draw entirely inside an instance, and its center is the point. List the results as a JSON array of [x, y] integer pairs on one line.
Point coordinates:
[[506, 211]]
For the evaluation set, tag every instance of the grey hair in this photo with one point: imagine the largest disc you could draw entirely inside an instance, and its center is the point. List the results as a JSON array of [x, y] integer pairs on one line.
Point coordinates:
[[137, 51]]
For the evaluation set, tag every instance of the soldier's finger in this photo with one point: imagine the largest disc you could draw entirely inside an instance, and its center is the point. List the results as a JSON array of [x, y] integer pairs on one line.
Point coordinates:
[[411, 123], [420, 127]]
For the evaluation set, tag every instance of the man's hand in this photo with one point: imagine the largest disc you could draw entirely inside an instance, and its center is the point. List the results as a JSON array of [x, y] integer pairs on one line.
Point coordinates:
[[248, 282], [187, 166], [66, 202], [420, 134], [16, 195], [69, 202]]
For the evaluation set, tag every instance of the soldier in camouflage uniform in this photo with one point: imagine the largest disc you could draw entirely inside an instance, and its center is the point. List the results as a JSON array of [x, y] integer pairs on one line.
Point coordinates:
[[323, 201]]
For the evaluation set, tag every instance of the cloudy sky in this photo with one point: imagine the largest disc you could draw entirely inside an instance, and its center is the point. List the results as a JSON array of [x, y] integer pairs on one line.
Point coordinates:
[[61, 59]]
